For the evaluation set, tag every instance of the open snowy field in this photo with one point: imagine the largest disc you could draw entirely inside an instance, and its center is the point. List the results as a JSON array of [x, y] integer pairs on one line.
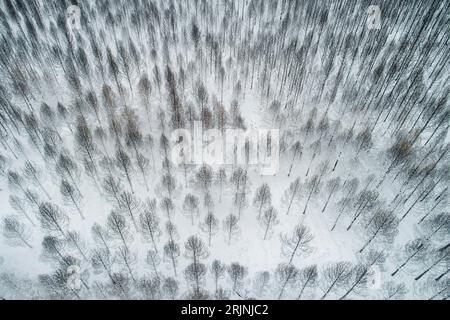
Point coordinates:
[[342, 193]]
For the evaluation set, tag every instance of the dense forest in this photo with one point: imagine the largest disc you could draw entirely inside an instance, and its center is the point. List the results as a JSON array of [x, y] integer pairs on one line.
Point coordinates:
[[93, 205]]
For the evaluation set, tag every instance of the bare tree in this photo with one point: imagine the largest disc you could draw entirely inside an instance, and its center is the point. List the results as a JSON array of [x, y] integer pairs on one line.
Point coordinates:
[[203, 178], [307, 278], [210, 226], [364, 202], [195, 249], [362, 272], [393, 291], [167, 166], [17, 204], [118, 227], [231, 226], [237, 178], [335, 277], [240, 202], [218, 270], [167, 206], [149, 287], [71, 195], [85, 142], [67, 168], [127, 259], [52, 218], [145, 90], [172, 250], [363, 141], [133, 135], [15, 232], [150, 143], [439, 289], [190, 206], [164, 145], [113, 68], [237, 274], [332, 187], [208, 202], [297, 150], [263, 197], [170, 288], [415, 250], [15, 181], [350, 188], [168, 183], [440, 258], [221, 178], [112, 188], [92, 101], [149, 223], [222, 294], [312, 188], [58, 281], [221, 117], [298, 243], [438, 227], [261, 282], [120, 285], [174, 100], [130, 205], [143, 164], [101, 262], [34, 174], [399, 153], [195, 273], [269, 219], [287, 276], [74, 241], [52, 248], [153, 260], [100, 235], [384, 224], [293, 193]]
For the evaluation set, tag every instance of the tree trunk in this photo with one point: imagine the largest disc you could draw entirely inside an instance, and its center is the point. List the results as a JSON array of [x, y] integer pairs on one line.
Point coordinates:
[[404, 263]]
